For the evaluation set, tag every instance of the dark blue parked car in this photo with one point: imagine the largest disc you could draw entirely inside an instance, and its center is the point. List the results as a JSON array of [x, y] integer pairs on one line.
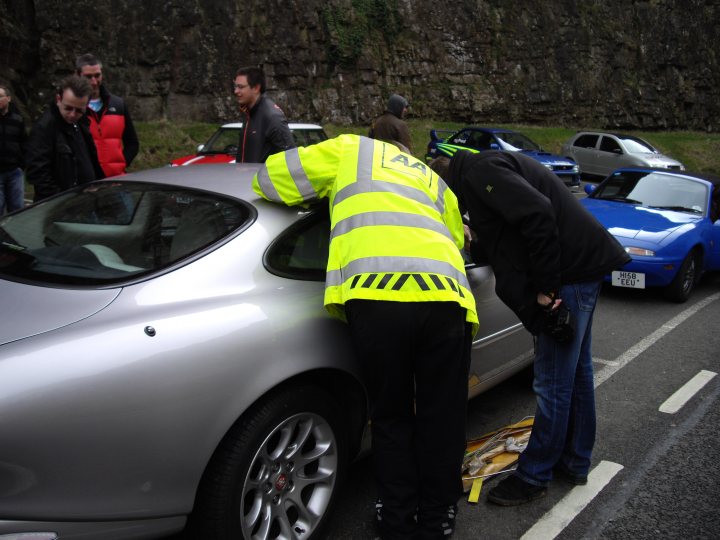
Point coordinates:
[[668, 223], [477, 139]]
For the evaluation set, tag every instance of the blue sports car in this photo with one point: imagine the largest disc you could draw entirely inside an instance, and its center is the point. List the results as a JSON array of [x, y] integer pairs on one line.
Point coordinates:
[[477, 139], [668, 223]]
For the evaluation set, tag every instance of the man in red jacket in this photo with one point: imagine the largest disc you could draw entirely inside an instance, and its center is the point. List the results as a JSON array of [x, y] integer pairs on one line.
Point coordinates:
[[110, 124]]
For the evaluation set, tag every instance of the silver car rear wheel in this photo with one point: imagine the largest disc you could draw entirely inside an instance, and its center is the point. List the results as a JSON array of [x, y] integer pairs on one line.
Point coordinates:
[[276, 474], [291, 479]]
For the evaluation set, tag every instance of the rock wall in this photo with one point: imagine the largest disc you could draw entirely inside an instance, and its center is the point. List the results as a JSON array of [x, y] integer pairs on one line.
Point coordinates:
[[649, 64]]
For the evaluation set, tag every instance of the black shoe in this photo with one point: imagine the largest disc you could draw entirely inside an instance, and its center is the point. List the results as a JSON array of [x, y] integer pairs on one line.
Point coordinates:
[[437, 524], [561, 474], [512, 491]]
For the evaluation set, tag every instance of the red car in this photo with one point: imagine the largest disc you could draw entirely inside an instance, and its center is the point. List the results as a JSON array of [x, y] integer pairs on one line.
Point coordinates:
[[222, 146]]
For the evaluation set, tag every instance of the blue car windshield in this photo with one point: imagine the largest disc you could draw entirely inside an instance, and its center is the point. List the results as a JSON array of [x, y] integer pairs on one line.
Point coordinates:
[[656, 190], [110, 232], [517, 141]]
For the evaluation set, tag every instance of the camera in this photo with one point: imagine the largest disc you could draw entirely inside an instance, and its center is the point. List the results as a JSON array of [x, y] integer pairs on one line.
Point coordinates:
[[558, 323]]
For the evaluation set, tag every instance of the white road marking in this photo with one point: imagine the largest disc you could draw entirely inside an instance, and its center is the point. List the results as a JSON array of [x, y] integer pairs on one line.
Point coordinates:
[[605, 362], [676, 402], [633, 352], [560, 516]]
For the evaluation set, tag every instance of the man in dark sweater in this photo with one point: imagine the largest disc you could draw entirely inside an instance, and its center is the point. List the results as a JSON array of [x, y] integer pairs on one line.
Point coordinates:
[[60, 151], [549, 255], [12, 147]]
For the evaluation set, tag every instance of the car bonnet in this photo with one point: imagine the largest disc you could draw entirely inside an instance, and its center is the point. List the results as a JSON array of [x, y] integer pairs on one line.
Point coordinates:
[[31, 310], [624, 220]]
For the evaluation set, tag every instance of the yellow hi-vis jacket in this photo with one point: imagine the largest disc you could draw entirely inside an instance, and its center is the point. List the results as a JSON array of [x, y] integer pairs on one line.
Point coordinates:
[[395, 228]]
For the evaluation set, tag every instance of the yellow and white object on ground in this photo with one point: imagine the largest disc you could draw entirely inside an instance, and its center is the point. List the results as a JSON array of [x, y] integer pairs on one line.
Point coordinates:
[[493, 453]]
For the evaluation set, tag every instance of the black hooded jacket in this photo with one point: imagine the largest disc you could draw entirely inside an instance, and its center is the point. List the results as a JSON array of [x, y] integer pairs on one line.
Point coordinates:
[[531, 228], [53, 160]]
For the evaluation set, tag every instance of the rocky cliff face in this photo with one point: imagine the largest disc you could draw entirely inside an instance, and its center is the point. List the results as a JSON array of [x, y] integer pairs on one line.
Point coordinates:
[[650, 64]]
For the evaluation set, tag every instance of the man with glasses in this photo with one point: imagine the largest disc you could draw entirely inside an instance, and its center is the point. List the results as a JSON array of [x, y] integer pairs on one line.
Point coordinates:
[[60, 151], [265, 129], [111, 127]]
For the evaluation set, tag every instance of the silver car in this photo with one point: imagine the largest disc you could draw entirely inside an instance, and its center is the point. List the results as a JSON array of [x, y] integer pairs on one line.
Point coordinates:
[[166, 358], [599, 154]]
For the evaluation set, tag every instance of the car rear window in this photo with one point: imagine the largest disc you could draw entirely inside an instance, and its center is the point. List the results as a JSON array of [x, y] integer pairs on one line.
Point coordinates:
[[109, 232]]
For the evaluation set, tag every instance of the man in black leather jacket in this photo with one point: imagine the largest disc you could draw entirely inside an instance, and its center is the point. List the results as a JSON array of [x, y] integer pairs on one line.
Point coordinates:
[[549, 254], [265, 129], [60, 151]]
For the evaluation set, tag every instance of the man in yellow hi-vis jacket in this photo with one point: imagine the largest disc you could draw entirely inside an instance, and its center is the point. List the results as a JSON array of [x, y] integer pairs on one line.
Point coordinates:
[[396, 274]]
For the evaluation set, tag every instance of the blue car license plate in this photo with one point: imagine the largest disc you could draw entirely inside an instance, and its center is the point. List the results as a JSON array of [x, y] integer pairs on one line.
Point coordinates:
[[635, 280]]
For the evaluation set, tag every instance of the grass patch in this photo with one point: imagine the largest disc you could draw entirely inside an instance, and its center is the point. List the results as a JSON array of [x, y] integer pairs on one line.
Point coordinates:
[[162, 141]]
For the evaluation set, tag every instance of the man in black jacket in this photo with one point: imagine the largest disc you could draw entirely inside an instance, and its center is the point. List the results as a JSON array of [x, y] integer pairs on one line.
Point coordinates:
[[549, 255], [60, 151], [265, 129], [12, 147]]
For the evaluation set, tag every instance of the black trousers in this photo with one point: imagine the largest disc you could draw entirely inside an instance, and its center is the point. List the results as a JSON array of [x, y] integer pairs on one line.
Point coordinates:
[[417, 357]]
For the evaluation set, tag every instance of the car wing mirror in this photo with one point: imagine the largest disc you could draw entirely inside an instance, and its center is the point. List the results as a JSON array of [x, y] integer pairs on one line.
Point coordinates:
[[200, 147], [589, 188]]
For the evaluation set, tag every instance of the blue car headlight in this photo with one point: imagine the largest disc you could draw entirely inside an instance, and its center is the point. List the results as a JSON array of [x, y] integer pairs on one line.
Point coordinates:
[[640, 251]]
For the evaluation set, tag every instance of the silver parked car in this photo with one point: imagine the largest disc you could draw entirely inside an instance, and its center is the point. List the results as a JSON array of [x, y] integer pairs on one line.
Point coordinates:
[[165, 357], [599, 154]]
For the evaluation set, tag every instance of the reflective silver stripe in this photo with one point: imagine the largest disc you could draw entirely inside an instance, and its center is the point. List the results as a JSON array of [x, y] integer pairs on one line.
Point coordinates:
[[440, 203], [403, 219], [267, 186], [381, 265], [366, 152], [408, 192], [304, 187]]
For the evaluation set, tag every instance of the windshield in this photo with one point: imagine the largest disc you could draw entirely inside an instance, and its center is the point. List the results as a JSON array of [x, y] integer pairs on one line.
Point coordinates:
[[517, 141], [108, 232], [223, 141], [655, 190], [635, 145]]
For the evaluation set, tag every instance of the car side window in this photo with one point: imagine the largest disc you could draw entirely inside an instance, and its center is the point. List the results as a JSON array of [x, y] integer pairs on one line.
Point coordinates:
[[586, 141], [301, 252], [608, 144]]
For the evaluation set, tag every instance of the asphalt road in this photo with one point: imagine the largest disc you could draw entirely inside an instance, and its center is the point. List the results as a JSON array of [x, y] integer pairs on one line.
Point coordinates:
[[656, 472]]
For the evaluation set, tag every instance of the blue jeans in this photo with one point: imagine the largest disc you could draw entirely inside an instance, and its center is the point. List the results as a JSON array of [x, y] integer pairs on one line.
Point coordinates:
[[12, 190], [563, 433]]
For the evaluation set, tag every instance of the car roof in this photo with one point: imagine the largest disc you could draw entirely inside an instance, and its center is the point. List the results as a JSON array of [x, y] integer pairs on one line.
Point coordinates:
[[234, 180], [713, 179], [614, 134], [291, 125], [488, 129]]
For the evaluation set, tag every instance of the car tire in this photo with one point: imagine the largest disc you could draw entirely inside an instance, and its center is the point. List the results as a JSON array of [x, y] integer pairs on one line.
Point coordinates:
[[684, 281], [277, 472]]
